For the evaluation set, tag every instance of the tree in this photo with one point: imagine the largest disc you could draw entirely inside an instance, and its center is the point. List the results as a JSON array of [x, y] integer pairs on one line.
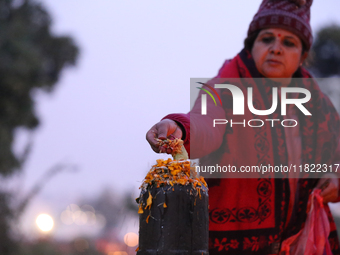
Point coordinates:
[[7, 243], [326, 52], [324, 61], [31, 58]]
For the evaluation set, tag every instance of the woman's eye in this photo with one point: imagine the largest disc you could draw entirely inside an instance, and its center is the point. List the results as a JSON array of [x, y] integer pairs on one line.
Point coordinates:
[[267, 39], [288, 43]]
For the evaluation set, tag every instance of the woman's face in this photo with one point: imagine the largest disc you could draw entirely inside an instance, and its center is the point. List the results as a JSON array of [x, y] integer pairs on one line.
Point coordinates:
[[277, 53]]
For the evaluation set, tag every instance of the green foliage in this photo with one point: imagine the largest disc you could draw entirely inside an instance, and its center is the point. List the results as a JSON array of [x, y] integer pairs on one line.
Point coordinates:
[[326, 52], [31, 58], [7, 244]]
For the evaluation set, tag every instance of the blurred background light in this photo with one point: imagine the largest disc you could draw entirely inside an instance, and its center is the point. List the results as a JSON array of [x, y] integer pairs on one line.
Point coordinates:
[[44, 222], [73, 208], [88, 208], [117, 253], [91, 218], [111, 248], [131, 239], [66, 217], [80, 218]]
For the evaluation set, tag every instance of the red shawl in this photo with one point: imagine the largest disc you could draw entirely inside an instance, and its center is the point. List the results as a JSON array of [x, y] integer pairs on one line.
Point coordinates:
[[249, 216]]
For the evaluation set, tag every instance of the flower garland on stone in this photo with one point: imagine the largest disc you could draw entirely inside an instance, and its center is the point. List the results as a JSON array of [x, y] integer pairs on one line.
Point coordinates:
[[178, 171]]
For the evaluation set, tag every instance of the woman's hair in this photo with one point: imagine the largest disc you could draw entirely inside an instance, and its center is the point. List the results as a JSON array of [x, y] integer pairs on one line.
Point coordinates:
[[249, 42]]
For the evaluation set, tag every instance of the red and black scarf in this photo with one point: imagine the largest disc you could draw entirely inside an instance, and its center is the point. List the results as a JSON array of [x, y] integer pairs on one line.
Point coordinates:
[[248, 216]]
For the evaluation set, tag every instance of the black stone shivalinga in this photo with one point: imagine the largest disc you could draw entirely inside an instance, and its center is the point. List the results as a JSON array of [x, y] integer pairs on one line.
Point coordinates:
[[180, 227]]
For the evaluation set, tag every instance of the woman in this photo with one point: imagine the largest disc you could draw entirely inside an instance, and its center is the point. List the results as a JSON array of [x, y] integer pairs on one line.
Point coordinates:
[[254, 216]]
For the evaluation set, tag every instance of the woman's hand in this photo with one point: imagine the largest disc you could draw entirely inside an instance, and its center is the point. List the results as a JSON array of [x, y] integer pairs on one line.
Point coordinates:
[[329, 184], [162, 130]]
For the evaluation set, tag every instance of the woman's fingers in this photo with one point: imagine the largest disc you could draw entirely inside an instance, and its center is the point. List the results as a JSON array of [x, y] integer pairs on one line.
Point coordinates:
[[330, 193], [329, 186], [151, 136], [162, 130]]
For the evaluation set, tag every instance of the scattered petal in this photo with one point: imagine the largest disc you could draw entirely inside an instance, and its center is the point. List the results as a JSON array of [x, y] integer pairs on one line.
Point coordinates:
[[149, 201], [140, 210]]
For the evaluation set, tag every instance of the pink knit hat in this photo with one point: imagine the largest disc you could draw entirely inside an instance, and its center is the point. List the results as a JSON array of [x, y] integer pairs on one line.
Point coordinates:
[[292, 15]]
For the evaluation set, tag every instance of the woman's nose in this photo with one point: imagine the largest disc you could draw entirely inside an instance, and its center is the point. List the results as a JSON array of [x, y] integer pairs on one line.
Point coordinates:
[[276, 48]]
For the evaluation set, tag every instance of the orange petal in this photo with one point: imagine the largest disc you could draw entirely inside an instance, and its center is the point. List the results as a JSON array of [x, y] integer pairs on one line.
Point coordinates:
[[149, 201]]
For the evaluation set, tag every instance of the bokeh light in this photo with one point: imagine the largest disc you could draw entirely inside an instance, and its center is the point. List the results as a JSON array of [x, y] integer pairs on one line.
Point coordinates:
[[66, 217], [111, 248], [131, 239], [73, 208], [84, 215], [91, 218], [88, 208], [44, 222], [117, 253], [80, 218]]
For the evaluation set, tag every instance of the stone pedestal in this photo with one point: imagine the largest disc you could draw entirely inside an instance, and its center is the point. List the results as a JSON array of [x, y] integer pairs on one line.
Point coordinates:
[[180, 228]]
